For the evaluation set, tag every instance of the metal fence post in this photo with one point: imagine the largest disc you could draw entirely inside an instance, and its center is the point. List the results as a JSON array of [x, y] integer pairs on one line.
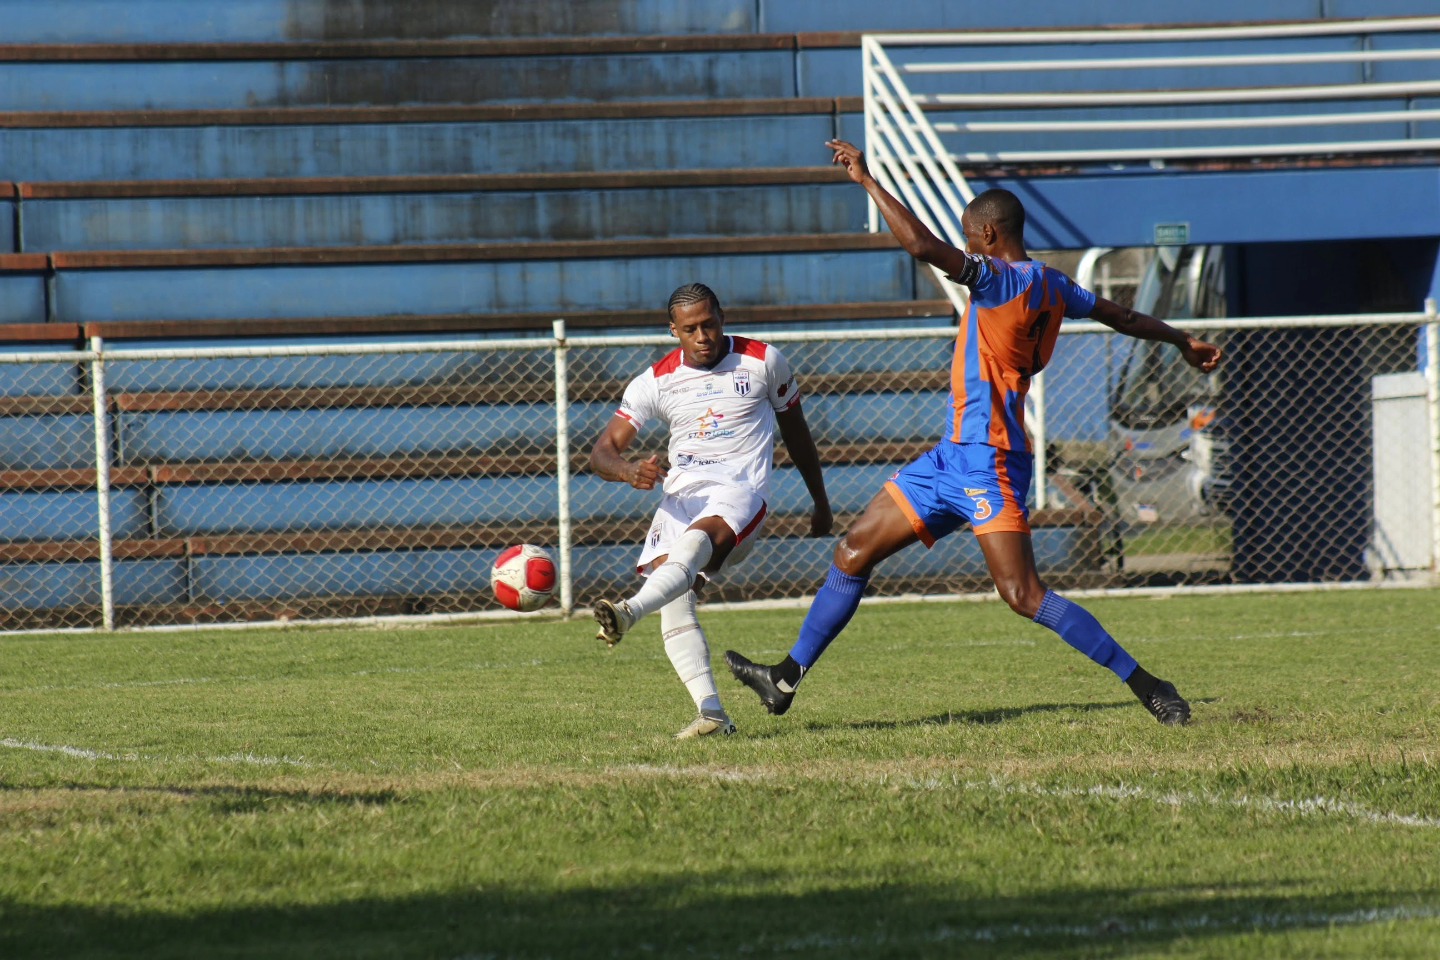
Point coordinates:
[[1432, 403], [562, 469], [102, 482]]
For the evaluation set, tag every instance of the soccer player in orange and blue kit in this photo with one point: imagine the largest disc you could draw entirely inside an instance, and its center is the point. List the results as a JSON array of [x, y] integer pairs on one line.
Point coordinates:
[[979, 473]]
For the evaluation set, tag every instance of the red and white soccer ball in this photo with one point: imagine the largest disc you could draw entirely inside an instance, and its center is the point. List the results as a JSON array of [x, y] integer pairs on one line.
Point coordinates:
[[523, 577]]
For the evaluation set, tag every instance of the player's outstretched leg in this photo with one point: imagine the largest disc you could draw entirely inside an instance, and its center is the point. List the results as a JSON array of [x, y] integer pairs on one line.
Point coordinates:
[[614, 619], [689, 653], [760, 678], [1166, 705], [1079, 628], [673, 578], [834, 604]]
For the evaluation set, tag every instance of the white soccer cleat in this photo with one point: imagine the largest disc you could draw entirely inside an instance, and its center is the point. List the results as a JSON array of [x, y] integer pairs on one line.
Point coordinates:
[[614, 619], [707, 723]]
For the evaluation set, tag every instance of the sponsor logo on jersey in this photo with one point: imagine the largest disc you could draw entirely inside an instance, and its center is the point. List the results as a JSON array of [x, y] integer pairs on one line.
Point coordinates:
[[684, 460], [974, 492], [711, 387], [742, 381], [707, 426]]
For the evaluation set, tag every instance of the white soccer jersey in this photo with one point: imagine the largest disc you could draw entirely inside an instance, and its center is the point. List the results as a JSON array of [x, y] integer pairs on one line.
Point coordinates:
[[722, 420]]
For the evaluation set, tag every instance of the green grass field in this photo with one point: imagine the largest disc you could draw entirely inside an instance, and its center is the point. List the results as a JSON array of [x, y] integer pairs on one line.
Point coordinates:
[[952, 781]]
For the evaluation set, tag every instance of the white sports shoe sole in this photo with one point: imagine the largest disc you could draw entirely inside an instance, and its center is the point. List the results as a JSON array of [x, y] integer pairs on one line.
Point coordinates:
[[613, 620], [706, 725]]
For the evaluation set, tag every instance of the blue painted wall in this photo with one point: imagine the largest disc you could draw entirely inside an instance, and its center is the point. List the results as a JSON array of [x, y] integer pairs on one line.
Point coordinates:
[[1122, 209]]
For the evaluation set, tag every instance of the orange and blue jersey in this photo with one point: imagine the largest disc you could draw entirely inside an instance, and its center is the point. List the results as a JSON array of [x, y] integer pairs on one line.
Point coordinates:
[[1008, 336]]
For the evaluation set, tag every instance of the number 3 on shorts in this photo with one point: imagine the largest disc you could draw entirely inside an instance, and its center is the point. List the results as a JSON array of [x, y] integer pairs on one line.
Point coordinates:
[[982, 508]]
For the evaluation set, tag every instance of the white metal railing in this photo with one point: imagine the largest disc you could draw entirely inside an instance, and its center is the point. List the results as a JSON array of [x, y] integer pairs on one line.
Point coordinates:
[[1057, 85], [918, 158], [102, 372]]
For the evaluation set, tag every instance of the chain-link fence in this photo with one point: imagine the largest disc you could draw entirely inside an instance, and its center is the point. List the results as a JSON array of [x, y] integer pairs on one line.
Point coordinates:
[[332, 480]]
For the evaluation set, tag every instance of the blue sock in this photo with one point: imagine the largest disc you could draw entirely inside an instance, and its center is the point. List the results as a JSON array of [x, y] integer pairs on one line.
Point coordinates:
[[1083, 632], [834, 605]]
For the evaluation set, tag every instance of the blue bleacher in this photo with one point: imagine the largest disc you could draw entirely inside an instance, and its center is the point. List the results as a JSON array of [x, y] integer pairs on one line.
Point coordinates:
[[226, 373], [272, 21], [22, 297], [27, 515], [214, 509], [701, 75], [181, 436], [175, 223], [199, 293], [374, 149], [46, 442], [50, 586], [37, 379]]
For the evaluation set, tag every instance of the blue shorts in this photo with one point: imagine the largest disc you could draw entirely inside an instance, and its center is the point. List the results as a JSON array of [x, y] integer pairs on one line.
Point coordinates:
[[959, 483]]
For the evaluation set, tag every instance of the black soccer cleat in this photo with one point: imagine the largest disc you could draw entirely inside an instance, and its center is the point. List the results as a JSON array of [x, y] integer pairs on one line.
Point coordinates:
[[759, 678], [1166, 704]]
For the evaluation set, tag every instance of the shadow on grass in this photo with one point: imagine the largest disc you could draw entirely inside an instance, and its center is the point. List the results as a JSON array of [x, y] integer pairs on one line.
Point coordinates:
[[232, 799], [977, 717], [981, 718], [703, 917]]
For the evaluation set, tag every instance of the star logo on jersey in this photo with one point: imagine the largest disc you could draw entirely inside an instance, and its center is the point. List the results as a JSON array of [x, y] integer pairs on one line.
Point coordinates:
[[742, 381], [707, 423]]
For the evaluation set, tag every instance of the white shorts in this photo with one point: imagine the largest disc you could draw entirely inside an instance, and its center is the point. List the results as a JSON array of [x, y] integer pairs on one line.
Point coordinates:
[[742, 509]]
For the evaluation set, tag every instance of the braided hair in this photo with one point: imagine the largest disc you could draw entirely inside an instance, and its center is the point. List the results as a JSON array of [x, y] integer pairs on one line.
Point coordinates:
[[691, 293]]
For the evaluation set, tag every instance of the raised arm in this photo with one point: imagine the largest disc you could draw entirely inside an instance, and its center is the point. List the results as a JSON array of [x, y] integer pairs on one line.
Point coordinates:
[[608, 460], [801, 445], [914, 236], [1199, 354]]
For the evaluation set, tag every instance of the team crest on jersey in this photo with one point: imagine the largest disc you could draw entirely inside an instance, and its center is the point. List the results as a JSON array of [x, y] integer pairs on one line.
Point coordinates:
[[655, 536], [742, 381]]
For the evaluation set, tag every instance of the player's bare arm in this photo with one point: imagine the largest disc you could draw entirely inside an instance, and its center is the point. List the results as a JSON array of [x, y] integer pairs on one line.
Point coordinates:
[[1199, 354], [608, 460], [801, 446], [914, 236]]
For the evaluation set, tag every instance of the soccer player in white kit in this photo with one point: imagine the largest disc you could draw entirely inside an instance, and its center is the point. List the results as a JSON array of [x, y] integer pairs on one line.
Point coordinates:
[[723, 398]]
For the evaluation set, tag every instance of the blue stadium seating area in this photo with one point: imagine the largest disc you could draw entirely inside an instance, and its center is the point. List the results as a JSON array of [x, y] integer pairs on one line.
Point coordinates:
[[281, 170]]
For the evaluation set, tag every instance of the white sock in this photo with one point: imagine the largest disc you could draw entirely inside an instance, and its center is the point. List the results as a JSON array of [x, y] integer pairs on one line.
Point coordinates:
[[675, 576], [689, 651]]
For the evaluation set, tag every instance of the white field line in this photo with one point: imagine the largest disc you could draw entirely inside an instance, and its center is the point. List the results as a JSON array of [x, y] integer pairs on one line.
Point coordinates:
[[1320, 807], [1309, 807], [1213, 919], [83, 753], [256, 678], [690, 773]]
